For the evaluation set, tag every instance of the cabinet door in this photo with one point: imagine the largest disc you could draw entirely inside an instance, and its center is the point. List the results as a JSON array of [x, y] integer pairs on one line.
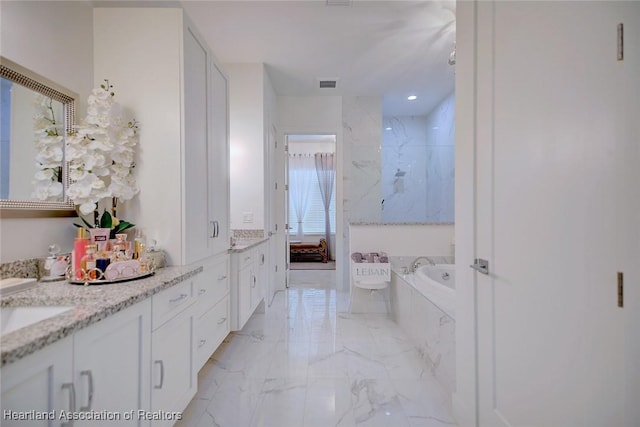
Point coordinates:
[[197, 229], [173, 378], [245, 280], [40, 382], [219, 160], [110, 372]]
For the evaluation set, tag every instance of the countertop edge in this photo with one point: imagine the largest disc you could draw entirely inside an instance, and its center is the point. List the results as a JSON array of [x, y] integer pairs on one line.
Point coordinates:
[[38, 336]]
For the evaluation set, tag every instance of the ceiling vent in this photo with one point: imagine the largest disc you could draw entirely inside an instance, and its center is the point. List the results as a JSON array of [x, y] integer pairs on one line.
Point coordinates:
[[328, 84]]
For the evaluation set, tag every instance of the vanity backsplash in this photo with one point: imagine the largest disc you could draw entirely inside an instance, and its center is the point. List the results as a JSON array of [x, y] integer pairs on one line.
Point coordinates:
[[22, 268]]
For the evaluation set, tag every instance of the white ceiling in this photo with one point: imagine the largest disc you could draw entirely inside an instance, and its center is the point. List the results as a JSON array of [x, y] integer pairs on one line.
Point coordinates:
[[377, 48]]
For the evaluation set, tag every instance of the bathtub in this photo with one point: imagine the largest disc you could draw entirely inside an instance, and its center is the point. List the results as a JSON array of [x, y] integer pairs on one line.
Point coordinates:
[[437, 283]]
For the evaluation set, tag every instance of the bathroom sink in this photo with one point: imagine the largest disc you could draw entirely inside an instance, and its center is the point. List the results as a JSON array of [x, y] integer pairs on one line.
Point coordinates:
[[14, 318]]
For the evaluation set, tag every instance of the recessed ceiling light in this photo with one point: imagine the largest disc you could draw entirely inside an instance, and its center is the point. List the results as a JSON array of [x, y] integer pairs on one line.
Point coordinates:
[[412, 97], [387, 128]]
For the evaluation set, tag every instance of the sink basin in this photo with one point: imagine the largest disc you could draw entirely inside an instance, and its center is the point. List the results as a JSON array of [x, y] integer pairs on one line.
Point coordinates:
[[14, 318]]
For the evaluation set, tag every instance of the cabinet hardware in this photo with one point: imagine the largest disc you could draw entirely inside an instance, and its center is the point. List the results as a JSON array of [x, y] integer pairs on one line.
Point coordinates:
[[254, 282], [202, 291], [89, 376], [620, 41], [222, 277], [480, 265], [161, 363], [620, 289], [212, 226], [72, 402], [202, 342], [180, 298], [222, 320]]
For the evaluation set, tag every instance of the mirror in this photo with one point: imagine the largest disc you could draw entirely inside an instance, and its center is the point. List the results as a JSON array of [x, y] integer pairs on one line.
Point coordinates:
[[35, 116]]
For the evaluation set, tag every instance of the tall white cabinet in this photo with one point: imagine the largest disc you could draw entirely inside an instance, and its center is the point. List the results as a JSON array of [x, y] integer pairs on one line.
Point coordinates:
[[170, 82]]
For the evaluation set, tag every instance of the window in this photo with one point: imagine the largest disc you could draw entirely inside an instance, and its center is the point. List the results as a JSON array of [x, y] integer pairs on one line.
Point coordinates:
[[313, 222]]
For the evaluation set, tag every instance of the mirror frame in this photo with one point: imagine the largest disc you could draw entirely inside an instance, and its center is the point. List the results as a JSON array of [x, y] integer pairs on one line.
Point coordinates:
[[10, 208]]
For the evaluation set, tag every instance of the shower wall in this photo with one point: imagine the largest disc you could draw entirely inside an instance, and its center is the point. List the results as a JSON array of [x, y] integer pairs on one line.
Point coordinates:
[[418, 166]]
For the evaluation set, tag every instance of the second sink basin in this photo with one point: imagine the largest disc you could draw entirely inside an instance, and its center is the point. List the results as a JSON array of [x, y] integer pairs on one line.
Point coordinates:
[[14, 318]]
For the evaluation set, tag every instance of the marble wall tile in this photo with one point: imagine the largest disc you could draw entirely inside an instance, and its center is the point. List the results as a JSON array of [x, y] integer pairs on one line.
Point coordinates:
[[418, 166]]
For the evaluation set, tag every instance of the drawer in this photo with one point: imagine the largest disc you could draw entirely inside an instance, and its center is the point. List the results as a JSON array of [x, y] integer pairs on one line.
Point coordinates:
[[170, 302], [212, 284], [245, 258], [212, 328]]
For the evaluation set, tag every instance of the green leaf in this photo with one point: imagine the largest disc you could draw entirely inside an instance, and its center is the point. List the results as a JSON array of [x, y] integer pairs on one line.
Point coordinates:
[[106, 221]]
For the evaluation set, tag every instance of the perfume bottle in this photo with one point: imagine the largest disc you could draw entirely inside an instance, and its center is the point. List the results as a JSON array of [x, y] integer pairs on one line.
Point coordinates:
[[89, 262], [121, 247], [79, 251]]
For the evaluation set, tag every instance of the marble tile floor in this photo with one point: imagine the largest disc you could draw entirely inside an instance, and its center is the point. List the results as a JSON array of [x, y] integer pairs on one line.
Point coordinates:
[[303, 363]]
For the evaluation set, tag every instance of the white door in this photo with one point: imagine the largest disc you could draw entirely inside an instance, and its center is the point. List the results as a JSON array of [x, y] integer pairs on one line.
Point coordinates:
[[279, 247], [554, 157]]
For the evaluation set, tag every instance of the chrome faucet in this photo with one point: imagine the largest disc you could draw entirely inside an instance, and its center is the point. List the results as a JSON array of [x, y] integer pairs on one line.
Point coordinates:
[[416, 263]]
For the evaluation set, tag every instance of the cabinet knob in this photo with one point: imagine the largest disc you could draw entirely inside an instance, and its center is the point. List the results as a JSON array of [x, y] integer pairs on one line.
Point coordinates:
[[222, 320], [222, 277], [201, 343], [202, 291]]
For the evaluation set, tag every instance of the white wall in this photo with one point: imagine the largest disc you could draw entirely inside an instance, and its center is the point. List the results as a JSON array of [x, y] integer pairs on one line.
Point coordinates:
[[319, 115], [53, 39], [247, 130], [402, 239]]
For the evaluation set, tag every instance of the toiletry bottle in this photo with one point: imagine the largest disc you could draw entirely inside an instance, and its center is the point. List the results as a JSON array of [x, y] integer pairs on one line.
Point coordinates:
[[89, 262], [120, 247], [79, 251]]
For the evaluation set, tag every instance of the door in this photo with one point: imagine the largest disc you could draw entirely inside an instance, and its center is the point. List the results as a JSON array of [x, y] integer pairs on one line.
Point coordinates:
[[552, 153], [279, 247], [106, 377], [198, 230]]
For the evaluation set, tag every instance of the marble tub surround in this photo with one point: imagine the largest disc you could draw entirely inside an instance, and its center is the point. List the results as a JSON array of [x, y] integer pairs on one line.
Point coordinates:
[[431, 328], [91, 304], [303, 363]]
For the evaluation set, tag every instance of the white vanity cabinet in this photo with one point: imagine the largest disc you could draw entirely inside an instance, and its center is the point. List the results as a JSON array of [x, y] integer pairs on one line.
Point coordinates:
[[109, 371], [165, 76], [99, 368], [248, 283], [212, 309], [41, 382], [173, 375]]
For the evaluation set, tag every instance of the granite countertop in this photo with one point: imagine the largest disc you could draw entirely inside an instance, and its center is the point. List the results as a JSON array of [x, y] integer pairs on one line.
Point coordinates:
[[90, 304], [244, 244]]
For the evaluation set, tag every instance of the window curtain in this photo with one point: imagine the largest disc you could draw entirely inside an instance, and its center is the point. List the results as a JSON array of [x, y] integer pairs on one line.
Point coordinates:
[[300, 184], [325, 168]]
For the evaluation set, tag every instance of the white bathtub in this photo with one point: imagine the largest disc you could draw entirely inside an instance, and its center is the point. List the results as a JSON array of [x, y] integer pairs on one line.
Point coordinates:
[[437, 283]]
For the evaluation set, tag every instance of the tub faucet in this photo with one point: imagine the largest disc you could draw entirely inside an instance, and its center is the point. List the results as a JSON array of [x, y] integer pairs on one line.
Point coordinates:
[[416, 263]]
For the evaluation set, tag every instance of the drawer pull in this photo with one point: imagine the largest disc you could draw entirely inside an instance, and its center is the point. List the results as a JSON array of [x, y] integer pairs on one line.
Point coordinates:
[[180, 298], [222, 320], [202, 291], [72, 402], [254, 282], [222, 277], [202, 342], [247, 258], [90, 398], [161, 363]]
